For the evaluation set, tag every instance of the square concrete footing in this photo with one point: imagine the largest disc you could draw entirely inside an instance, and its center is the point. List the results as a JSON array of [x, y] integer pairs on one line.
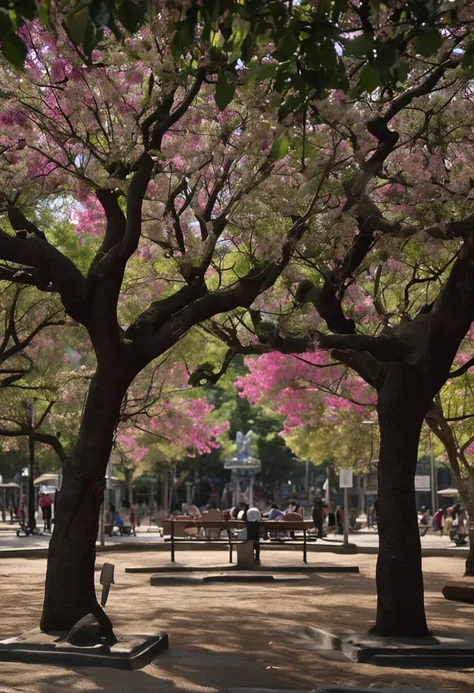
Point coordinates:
[[240, 577], [131, 651], [438, 650], [336, 688], [357, 689]]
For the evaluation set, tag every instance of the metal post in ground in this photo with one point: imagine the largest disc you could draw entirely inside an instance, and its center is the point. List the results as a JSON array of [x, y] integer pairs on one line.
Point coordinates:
[[346, 518], [31, 467]]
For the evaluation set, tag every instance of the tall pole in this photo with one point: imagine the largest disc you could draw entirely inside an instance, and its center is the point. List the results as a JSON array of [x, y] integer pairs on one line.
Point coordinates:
[[346, 517], [433, 480], [31, 468]]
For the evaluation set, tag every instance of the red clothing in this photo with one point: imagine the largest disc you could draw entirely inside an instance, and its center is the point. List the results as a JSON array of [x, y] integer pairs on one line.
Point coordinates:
[[45, 501], [438, 519]]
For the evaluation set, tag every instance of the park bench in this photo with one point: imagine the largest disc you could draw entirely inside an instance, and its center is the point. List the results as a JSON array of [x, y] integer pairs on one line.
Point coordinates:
[[174, 528]]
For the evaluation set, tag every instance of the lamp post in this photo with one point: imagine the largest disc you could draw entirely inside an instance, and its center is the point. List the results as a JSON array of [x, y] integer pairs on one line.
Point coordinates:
[[432, 471], [31, 466], [370, 422]]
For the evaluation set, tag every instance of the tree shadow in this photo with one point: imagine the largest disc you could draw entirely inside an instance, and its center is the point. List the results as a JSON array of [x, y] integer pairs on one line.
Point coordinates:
[[252, 635]]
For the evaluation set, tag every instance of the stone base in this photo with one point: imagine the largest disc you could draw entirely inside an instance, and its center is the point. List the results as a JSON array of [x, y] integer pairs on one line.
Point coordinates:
[[336, 688], [357, 689], [129, 652], [311, 568], [437, 650], [254, 576]]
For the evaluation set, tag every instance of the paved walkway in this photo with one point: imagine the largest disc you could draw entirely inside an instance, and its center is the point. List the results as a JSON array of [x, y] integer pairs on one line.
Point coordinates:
[[364, 540]]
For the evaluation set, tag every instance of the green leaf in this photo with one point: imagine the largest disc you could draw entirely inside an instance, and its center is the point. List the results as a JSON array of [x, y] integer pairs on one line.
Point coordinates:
[[290, 105], [26, 9], [279, 147], [386, 54], [90, 39], [100, 13], [267, 70], [225, 90], [131, 14], [428, 43], [402, 71], [14, 49], [360, 46], [369, 79], [240, 29], [468, 58], [76, 23], [5, 22]]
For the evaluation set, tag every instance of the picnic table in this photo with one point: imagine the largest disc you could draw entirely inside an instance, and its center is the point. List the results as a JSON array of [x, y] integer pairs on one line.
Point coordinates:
[[170, 526]]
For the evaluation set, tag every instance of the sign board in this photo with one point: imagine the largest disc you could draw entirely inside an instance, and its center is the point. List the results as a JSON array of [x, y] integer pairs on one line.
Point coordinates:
[[422, 483], [371, 482], [345, 478]]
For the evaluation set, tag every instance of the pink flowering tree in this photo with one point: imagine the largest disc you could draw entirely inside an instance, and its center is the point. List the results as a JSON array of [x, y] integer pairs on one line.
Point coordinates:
[[322, 404], [172, 429], [358, 205], [135, 153], [386, 275]]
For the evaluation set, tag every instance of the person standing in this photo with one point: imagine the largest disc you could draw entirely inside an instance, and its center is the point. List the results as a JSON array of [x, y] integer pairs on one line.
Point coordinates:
[[317, 513], [45, 503], [438, 521], [340, 520]]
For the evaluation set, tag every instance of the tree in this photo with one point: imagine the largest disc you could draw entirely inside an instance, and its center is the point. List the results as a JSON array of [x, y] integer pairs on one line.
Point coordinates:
[[302, 42], [111, 145], [322, 404], [123, 154], [397, 236]]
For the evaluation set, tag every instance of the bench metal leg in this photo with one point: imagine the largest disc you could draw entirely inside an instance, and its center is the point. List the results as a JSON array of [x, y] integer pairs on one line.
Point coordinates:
[[172, 541], [230, 545], [304, 546]]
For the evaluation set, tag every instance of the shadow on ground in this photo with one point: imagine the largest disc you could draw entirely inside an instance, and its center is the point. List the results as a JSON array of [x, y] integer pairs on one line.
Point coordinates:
[[232, 635]]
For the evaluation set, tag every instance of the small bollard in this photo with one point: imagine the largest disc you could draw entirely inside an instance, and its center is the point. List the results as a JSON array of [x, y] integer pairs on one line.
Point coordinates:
[[106, 579]]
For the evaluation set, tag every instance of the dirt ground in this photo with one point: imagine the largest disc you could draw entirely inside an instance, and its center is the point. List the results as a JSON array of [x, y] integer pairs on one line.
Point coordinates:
[[225, 636]]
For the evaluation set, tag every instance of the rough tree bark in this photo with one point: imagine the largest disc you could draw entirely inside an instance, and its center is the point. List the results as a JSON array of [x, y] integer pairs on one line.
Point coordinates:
[[401, 408], [70, 590]]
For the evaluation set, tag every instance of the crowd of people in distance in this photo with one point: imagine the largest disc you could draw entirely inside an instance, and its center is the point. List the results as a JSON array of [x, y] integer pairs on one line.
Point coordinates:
[[452, 522], [123, 518]]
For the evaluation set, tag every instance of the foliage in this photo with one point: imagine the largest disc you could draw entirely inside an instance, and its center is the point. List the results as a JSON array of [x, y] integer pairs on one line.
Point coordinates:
[[300, 47]]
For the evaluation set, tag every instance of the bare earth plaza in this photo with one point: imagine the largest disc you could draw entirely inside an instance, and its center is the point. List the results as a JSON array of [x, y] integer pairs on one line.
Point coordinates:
[[236, 346]]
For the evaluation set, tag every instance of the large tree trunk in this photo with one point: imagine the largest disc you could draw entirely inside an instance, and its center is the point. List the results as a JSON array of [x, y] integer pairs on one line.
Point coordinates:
[[70, 590], [401, 410]]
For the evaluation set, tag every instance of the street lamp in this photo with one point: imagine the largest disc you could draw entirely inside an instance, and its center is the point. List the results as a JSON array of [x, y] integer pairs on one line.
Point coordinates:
[[369, 422]]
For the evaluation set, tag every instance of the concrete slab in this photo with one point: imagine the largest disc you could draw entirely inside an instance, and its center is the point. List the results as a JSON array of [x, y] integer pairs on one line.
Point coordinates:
[[131, 651], [336, 688], [302, 568], [357, 689], [240, 576], [438, 650]]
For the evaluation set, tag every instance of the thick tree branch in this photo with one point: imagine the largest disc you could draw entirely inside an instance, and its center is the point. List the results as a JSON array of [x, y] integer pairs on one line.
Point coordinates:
[[46, 438], [242, 294], [116, 222], [53, 268], [462, 369], [18, 347], [382, 348]]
